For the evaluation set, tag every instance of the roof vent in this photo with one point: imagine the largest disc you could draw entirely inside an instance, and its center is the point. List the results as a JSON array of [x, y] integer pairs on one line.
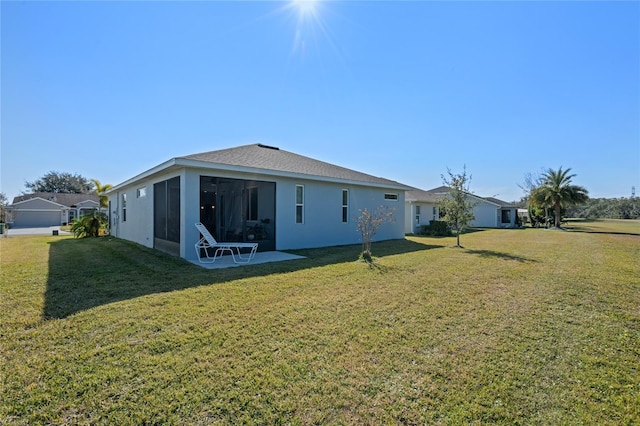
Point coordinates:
[[268, 147]]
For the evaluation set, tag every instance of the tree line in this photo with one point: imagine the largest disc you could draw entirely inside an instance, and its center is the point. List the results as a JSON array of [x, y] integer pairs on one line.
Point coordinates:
[[607, 208]]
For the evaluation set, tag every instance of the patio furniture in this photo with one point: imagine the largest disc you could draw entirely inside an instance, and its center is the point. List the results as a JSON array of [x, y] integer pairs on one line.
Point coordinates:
[[207, 242]]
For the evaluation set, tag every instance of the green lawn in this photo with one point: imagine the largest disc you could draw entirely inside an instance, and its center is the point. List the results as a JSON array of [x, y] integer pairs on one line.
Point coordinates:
[[524, 326]]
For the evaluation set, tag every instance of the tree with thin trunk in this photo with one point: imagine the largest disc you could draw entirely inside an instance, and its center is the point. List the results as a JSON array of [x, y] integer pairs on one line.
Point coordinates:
[[556, 192], [100, 190], [368, 224], [457, 204]]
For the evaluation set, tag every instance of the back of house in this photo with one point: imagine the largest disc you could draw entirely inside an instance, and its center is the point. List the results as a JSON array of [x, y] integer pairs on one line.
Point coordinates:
[[255, 193]]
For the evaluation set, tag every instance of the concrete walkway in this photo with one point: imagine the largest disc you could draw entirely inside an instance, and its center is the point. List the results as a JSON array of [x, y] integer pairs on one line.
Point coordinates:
[[46, 230], [261, 257]]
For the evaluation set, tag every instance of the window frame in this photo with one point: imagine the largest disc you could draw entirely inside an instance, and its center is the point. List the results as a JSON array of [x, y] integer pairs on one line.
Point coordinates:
[[345, 205], [124, 206], [391, 196], [299, 203]]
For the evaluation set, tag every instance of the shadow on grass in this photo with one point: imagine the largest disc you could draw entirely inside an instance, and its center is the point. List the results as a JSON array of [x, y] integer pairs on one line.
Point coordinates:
[[595, 226], [90, 272], [587, 230], [500, 255]]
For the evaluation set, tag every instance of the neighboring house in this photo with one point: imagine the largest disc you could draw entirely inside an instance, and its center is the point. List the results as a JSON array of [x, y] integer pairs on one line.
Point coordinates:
[[49, 209], [422, 207], [253, 192]]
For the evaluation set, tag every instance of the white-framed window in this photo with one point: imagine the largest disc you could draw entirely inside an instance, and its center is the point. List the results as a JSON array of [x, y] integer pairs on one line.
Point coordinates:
[[141, 192], [124, 207], [345, 205], [435, 213], [417, 214], [391, 196], [299, 203]]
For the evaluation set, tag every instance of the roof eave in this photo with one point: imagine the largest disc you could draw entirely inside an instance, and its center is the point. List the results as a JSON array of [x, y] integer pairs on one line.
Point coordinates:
[[38, 198]]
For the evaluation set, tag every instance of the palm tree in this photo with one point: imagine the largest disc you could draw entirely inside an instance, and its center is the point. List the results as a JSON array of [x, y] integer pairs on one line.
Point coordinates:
[[100, 190], [556, 192]]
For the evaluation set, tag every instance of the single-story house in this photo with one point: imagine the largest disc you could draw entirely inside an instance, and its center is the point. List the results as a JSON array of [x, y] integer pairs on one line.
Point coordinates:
[[254, 193], [421, 207], [49, 209]]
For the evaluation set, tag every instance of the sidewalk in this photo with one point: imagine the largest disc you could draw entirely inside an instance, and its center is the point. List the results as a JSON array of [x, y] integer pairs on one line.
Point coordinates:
[[47, 230]]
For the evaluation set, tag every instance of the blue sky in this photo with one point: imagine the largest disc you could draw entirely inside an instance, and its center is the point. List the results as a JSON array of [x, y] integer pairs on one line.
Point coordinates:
[[396, 89]]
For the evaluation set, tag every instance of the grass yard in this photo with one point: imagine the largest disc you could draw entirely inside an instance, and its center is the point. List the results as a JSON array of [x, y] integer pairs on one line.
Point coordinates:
[[524, 326]]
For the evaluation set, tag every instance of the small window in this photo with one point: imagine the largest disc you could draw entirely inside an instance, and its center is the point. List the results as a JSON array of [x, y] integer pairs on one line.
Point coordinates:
[[141, 192], [389, 196], [417, 214], [124, 207], [345, 205], [299, 204]]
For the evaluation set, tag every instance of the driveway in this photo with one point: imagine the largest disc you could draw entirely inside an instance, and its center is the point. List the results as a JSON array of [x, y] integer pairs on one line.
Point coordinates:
[[46, 230]]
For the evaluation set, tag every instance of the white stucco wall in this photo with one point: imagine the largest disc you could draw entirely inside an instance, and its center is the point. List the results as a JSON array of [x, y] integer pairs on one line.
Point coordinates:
[[427, 214], [323, 224], [486, 215], [139, 224]]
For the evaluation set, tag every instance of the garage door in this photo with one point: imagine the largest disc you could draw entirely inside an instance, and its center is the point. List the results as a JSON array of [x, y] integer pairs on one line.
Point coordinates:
[[36, 219]]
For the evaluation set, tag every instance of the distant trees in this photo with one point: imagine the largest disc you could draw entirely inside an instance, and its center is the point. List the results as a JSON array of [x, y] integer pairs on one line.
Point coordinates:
[[554, 191], [64, 183], [606, 208], [456, 205]]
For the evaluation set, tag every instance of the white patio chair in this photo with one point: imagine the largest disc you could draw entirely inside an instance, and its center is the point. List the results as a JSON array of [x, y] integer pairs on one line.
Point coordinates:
[[207, 242]]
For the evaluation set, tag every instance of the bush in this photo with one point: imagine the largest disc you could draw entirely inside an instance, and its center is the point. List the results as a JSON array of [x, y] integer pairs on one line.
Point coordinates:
[[435, 228], [89, 225]]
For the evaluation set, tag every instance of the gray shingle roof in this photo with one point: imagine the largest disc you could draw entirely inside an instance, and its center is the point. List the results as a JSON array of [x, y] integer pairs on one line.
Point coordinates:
[[60, 198], [435, 194], [258, 156], [431, 196]]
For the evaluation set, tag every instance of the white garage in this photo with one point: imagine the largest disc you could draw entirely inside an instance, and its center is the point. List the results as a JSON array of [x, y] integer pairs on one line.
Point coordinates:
[[37, 212], [36, 219], [42, 209]]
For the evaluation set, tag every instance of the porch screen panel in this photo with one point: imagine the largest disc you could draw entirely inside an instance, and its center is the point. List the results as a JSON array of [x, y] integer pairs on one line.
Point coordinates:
[[166, 203]]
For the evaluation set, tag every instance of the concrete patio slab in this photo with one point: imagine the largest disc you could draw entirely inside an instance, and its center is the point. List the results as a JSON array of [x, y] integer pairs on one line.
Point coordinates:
[[261, 257]]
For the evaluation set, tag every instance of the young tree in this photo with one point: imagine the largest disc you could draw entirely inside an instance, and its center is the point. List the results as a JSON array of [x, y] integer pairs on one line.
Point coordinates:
[[457, 205], [557, 192], [368, 224], [64, 183], [100, 190]]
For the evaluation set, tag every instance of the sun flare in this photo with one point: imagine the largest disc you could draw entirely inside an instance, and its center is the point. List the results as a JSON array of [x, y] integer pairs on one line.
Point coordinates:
[[305, 7]]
